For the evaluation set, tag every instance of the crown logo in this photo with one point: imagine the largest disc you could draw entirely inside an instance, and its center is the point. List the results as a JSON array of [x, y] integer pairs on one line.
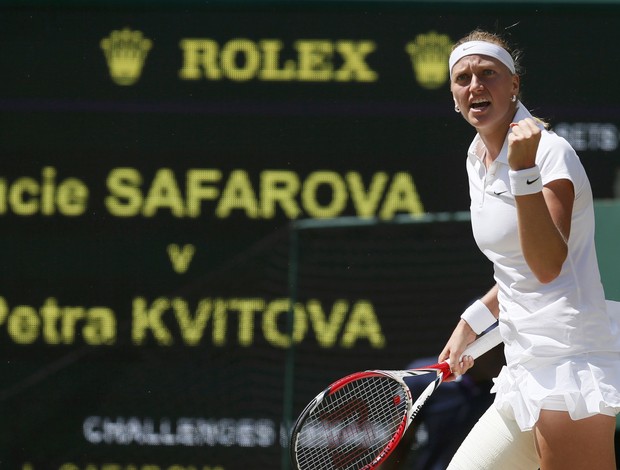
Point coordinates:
[[125, 51], [429, 56]]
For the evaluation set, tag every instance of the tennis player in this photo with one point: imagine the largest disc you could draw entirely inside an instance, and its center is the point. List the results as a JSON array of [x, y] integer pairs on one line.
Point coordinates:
[[532, 216]]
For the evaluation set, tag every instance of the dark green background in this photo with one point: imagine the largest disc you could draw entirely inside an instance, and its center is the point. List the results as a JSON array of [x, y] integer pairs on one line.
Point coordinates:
[[58, 107]]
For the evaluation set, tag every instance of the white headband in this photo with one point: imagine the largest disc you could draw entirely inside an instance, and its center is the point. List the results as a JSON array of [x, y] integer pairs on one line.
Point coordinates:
[[482, 48]]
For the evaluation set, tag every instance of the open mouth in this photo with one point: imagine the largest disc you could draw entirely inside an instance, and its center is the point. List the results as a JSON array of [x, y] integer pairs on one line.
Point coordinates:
[[482, 104]]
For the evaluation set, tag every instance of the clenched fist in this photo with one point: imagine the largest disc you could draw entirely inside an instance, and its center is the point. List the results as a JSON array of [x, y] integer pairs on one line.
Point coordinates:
[[523, 143]]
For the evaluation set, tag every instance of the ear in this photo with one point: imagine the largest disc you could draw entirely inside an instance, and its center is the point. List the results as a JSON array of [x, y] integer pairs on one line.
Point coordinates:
[[516, 84]]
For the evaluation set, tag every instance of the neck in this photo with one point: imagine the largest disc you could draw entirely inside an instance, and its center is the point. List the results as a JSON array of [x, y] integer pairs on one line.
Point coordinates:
[[493, 144], [494, 137]]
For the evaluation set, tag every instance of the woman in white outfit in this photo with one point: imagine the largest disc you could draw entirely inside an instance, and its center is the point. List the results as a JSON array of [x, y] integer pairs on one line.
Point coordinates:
[[532, 216]]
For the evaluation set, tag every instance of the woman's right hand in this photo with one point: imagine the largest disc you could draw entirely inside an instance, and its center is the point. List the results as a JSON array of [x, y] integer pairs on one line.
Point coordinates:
[[461, 337]]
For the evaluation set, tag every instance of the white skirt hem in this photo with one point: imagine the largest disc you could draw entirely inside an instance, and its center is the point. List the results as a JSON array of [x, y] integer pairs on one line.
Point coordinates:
[[589, 384]]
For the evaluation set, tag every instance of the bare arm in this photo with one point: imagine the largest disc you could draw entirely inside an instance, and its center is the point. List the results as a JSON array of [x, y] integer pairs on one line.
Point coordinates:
[[463, 335], [490, 300], [543, 218], [544, 227]]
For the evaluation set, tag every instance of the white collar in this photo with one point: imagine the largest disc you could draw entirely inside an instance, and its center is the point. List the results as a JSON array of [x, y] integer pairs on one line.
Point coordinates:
[[475, 148]]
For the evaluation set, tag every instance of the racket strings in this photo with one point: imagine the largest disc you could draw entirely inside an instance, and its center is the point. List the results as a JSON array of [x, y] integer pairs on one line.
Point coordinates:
[[349, 428]]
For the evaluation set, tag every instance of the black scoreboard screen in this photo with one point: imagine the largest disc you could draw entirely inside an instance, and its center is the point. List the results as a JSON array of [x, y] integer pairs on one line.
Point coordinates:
[[162, 307]]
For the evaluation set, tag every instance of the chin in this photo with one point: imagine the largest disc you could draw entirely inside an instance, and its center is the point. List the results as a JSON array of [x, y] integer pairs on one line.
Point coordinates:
[[480, 121]]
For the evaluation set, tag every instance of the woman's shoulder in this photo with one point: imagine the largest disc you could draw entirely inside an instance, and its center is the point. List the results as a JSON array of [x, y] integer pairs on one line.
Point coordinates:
[[552, 143], [557, 159]]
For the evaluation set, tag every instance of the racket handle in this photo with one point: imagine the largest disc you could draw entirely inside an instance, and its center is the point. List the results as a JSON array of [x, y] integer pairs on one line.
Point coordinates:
[[483, 344]]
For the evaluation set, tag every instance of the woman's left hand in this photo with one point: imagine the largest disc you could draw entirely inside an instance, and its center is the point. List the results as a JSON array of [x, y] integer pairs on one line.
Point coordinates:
[[522, 144]]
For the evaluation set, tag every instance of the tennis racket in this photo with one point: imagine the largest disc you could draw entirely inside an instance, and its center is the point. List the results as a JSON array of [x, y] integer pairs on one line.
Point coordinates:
[[356, 422]]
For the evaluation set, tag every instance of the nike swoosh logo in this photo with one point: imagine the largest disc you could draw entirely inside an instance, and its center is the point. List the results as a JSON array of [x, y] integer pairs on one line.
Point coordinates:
[[499, 193], [533, 181]]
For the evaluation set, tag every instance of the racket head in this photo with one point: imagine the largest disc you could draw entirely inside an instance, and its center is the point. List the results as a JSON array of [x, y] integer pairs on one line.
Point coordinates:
[[355, 423]]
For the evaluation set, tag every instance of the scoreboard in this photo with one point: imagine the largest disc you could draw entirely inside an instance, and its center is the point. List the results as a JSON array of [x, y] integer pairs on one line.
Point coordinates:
[[154, 160]]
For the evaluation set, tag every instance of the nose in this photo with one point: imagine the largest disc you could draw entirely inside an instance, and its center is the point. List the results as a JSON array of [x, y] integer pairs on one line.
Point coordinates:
[[476, 83]]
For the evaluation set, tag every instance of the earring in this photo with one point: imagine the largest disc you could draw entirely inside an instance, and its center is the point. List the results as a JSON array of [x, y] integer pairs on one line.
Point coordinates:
[[513, 98], [457, 109]]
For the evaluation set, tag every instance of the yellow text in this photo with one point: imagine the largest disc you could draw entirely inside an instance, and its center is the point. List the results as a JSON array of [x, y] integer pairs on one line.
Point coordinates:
[[54, 324], [26, 196], [321, 194], [219, 321], [242, 59]]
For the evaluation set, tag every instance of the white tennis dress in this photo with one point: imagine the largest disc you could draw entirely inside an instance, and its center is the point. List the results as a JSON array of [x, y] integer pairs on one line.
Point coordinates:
[[562, 339]]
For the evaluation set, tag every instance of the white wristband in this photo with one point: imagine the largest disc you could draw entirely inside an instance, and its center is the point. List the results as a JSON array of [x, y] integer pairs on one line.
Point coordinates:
[[524, 182], [478, 316]]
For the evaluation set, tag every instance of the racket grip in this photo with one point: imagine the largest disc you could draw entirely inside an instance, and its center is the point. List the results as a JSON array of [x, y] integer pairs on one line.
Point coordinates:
[[483, 344]]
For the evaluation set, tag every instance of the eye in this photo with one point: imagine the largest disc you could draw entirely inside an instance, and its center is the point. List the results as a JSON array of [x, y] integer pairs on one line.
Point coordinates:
[[462, 77], [489, 72]]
